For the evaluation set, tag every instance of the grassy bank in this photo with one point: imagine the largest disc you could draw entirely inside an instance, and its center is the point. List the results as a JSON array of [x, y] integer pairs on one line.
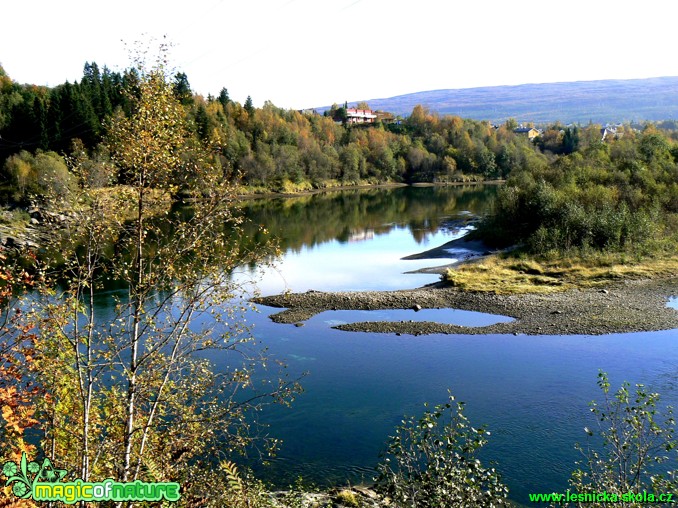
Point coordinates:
[[512, 273]]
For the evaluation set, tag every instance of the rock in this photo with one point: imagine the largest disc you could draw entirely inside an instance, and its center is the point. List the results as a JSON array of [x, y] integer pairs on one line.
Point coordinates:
[[369, 493], [35, 221], [298, 325], [604, 291], [416, 307]]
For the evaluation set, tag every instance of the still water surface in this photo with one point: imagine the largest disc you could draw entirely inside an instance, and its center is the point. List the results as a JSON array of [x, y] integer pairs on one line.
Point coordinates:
[[531, 392]]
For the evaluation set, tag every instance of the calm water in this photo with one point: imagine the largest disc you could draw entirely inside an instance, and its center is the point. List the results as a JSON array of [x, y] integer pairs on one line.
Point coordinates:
[[531, 392], [447, 316], [355, 240]]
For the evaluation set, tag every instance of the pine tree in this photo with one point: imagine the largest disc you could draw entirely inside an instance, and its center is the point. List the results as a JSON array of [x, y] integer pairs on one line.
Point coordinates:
[[182, 89], [249, 107], [224, 98]]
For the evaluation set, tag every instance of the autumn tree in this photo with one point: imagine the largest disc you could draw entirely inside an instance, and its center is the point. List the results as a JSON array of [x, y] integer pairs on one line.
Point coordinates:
[[192, 264], [132, 395], [18, 392]]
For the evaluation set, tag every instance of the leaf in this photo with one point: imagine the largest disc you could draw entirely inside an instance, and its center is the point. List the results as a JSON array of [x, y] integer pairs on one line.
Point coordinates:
[[234, 481], [24, 463]]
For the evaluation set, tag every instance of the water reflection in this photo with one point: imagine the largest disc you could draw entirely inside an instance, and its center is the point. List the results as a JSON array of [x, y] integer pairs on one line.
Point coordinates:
[[446, 316], [354, 240]]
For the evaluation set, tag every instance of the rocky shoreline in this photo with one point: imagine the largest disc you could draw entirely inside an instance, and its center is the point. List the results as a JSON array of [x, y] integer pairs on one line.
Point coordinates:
[[624, 306]]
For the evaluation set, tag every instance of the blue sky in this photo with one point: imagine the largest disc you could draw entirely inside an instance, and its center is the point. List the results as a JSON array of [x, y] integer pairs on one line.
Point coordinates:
[[303, 53]]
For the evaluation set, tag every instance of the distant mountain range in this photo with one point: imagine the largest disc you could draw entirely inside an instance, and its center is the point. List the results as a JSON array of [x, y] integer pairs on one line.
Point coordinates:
[[574, 102]]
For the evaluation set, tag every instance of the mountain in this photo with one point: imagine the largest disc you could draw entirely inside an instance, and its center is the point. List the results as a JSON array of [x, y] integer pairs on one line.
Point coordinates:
[[579, 102]]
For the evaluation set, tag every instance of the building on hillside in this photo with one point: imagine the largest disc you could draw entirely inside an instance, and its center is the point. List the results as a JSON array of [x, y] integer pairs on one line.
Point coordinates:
[[354, 115], [611, 132], [385, 117], [309, 112], [530, 132]]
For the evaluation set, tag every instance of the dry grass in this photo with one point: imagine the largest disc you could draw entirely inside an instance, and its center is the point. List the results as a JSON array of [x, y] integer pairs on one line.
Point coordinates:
[[510, 275], [348, 498]]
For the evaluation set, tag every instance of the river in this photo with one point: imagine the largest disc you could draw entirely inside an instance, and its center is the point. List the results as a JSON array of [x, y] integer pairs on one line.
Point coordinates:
[[532, 392]]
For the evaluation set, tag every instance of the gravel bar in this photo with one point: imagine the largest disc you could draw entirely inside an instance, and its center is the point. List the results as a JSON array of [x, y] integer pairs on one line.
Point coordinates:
[[624, 306]]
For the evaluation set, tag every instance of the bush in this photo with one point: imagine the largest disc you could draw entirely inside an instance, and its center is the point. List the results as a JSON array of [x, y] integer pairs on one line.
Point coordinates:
[[636, 440], [43, 174], [431, 462]]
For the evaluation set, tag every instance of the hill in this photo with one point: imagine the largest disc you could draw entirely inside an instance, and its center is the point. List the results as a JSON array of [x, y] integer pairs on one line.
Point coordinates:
[[579, 102]]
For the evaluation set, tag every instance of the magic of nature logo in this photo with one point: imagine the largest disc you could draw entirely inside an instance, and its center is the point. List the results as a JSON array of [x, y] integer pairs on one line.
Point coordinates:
[[44, 482]]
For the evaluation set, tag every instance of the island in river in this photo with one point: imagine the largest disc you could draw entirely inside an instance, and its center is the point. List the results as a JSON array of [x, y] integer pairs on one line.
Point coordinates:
[[627, 305]]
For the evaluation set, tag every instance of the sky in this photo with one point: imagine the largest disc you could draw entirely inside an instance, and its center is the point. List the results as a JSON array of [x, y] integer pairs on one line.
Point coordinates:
[[310, 53]]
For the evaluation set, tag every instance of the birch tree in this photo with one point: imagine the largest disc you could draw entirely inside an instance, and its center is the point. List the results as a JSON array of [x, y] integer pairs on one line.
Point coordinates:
[[132, 394], [176, 267]]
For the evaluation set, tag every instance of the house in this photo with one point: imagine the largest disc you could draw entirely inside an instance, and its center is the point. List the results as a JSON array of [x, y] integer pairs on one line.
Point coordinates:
[[309, 112], [611, 132], [354, 115], [385, 117], [530, 132]]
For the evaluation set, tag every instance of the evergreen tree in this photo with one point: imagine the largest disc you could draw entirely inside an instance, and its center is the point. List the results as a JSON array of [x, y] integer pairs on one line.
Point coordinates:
[[40, 118], [90, 86], [249, 107], [570, 140], [202, 122], [224, 98], [182, 90]]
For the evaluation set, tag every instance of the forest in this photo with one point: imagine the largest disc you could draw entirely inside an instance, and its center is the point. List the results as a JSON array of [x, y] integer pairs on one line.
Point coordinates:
[[567, 188], [267, 148]]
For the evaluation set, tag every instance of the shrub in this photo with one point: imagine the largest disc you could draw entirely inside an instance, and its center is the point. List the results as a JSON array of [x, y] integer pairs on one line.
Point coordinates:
[[431, 462], [44, 174], [636, 440]]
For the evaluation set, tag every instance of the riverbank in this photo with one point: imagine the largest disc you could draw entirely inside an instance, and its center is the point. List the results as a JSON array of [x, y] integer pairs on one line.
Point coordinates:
[[622, 306], [292, 191]]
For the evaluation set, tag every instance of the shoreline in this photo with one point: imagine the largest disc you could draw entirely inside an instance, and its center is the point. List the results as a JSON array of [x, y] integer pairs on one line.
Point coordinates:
[[360, 186], [620, 307], [467, 251]]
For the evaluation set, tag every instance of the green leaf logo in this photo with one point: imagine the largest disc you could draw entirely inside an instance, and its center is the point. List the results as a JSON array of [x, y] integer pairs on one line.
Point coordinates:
[[23, 476]]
